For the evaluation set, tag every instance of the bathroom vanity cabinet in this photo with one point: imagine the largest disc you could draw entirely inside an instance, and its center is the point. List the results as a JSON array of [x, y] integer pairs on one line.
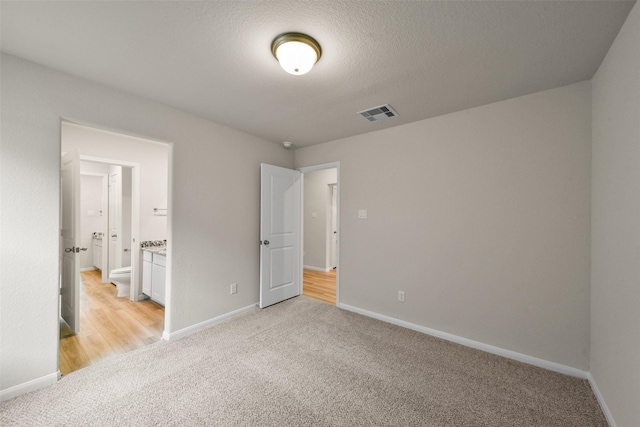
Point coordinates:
[[154, 275], [97, 252]]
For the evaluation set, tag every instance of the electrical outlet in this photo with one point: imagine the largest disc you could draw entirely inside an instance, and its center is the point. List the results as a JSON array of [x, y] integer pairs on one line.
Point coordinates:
[[401, 296], [234, 288]]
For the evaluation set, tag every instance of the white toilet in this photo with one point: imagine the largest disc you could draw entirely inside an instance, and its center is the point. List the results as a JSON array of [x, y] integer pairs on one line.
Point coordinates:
[[121, 277]]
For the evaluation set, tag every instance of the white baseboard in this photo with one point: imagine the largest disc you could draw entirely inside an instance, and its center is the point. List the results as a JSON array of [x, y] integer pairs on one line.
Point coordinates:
[[309, 267], [603, 405], [32, 385], [88, 268], [552, 366], [167, 336]]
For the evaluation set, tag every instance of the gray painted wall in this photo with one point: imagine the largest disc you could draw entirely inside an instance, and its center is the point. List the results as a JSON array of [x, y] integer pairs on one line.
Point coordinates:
[[481, 217], [615, 272], [216, 203]]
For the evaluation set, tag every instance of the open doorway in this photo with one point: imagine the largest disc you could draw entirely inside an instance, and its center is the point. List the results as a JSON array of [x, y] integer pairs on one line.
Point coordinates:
[[121, 213], [320, 232]]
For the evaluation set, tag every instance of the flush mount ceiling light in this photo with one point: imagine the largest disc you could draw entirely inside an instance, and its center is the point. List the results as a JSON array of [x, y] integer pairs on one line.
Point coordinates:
[[296, 52]]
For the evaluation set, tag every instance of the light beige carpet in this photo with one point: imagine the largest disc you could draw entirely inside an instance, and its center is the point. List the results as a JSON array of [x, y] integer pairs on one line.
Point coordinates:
[[306, 363]]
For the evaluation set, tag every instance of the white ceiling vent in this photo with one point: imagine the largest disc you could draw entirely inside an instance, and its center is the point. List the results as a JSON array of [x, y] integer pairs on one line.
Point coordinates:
[[378, 113]]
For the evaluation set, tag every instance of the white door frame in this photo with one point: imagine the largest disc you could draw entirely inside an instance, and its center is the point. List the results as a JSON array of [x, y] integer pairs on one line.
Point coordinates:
[[306, 169], [135, 292], [331, 249]]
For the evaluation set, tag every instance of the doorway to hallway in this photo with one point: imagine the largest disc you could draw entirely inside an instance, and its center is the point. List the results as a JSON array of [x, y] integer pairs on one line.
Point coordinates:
[[299, 232], [320, 233]]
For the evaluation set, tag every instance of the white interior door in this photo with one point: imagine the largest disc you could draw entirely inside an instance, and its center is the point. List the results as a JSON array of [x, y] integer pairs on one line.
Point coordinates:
[[70, 241], [334, 225], [125, 214], [280, 234], [105, 229], [115, 218]]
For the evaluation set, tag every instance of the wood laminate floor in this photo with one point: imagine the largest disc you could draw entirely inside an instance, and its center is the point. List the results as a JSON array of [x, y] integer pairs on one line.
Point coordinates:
[[320, 286], [108, 325]]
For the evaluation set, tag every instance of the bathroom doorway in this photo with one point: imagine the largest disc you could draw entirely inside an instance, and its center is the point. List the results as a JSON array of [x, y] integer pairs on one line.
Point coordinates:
[[121, 208], [119, 236], [111, 238]]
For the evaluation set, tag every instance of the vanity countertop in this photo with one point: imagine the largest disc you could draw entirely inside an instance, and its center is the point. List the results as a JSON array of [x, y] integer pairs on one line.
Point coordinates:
[[160, 250], [154, 246]]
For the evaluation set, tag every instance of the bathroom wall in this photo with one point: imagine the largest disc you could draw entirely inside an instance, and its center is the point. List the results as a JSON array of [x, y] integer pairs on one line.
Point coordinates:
[[91, 219], [94, 168], [152, 157]]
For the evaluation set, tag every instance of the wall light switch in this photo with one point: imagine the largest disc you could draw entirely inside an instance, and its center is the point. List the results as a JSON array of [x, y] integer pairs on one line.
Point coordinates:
[[362, 214]]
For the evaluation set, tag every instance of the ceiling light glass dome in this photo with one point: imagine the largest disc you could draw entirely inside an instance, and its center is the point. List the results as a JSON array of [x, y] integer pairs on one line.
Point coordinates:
[[296, 52]]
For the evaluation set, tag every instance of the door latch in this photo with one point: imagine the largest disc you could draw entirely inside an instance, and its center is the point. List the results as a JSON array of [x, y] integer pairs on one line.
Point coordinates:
[[74, 250]]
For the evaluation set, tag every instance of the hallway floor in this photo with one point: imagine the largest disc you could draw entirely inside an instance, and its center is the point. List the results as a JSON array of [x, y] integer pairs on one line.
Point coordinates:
[[320, 285]]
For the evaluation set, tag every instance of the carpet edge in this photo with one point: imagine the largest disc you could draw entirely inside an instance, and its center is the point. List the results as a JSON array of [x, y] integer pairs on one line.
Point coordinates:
[[29, 386], [509, 354], [603, 405], [169, 336]]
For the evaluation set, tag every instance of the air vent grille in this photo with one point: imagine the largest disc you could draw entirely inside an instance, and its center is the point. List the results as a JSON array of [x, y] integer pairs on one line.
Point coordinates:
[[376, 114]]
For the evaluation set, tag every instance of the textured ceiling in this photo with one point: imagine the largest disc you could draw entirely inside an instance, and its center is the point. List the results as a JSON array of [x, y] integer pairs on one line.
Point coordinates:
[[213, 59]]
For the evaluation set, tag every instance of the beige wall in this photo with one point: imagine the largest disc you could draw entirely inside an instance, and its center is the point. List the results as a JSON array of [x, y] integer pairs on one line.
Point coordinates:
[[615, 273], [215, 223], [481, 217], [316, 228]]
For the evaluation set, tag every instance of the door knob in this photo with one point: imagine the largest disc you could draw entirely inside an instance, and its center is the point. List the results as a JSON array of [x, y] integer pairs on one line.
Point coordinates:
[[114, 235], [68, 250], [266, 242], [83, 249]]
